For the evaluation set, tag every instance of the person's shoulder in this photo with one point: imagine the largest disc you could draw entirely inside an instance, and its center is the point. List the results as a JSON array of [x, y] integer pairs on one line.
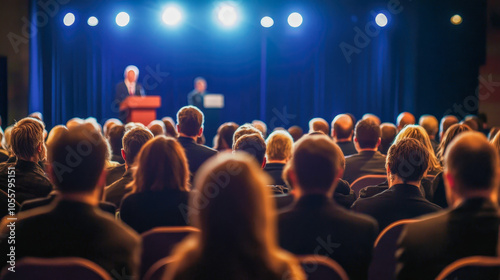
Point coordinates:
[[206, 149], [117, 226]]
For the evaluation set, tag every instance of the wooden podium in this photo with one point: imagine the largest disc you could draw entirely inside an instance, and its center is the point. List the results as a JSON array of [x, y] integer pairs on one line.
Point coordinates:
[[141, 108]]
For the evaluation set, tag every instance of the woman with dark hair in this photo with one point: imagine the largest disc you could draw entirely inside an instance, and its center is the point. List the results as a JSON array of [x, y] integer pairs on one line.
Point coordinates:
[[224, 137], [438, 183], [160, 186], [238, 228]]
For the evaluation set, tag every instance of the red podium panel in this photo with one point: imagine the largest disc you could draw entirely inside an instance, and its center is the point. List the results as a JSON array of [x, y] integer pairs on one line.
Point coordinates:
[[141, 108]]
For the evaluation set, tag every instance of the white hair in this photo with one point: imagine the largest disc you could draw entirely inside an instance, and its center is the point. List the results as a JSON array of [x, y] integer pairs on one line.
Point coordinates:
[[131, 68]]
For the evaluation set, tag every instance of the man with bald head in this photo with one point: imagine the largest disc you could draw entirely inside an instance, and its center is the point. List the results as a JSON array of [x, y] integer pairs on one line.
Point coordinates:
[[373, 117], [319, 124], [342, 131], [388, 132], [470, 226], [446, 122], [431, 126], [405, 119]]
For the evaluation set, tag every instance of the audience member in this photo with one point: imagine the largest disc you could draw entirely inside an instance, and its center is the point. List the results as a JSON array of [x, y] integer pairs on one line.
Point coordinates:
[[157, 127], [55, 132], [296, 132], [342, 132], [244, 130], [170, 127], [369, 116], [388, 132], [472, 123], [6, 140], [493, 132], [261, 126], [254, 145], [368, 160], [496, 142], [405, 119], [73, 226], [278, 152], [133, 140], [242, 244], [431, 126], [225, 136], [315, 219], [4, 155], [115, 136], [407, 164], [319, 124], [29, 148], [108, 124], [74, 122], [160, 186], [470, 226], [446, 122], [190, 126]]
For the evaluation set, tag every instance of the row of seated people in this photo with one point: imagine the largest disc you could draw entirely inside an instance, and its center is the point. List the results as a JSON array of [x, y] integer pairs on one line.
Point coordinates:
[[154, 190]]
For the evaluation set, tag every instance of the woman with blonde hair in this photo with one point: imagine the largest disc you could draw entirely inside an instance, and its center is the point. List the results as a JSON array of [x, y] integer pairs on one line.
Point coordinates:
[[235, 213], [417, 132], [160, 186]]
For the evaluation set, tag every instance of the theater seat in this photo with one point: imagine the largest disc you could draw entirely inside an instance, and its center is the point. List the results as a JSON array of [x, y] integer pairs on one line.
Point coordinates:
[[383, 265], [476, 267], [365, 181], [158, 243], [55, 268], [319, 267]]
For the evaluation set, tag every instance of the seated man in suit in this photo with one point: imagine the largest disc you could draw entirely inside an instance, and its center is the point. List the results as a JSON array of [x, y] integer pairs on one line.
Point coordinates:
[[317, 225], [407, 164], [279, 151], [73, 226], [28, 146], [132, 142], [368, 160], [342, 132], [470, 226], [190, 126]]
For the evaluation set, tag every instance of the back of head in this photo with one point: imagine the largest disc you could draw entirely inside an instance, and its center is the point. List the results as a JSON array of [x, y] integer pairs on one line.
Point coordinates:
[[190, 120], [493, 132], [74, 122], [472, 162], [77, 160], [54, 133], [319, 124], [446, 122], [296, 132], [261, 126], [408, 159], [448, 136], [110, 123], [471, 123], [496, 142], [170, 127], [157, 127], [317, 163], [252, 144], [225, 136], [388, 132], [132, 142], [161, 165], [342, 126], [417, 132], [115, 136], [405, 119], [25, 138], [430, 124], [279, 146], [367, 134], [244, 130], [372, 117], [6, 138]]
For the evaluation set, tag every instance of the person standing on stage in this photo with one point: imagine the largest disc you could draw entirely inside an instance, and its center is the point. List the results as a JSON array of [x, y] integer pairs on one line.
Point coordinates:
[[195, 97], [128, 87]]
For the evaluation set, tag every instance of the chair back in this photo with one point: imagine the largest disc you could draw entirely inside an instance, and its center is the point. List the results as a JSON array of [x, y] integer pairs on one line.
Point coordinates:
[[157, 270], [158, 243], [383, 263], [365, 181], [55, 268], [475, 267], [319, 267]]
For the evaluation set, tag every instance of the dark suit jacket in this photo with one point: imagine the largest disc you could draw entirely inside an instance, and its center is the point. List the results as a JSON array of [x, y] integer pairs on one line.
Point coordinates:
[[39, 202], [425, 188], [146, 210], [396, 203], [74, 229], [115, 174], [115, 192], [364, 163], [196, 154], [439, 191], [118, 158], [275, 170], [122, 91], [347, 148], [428, 246], [316, 225], [30, 180]]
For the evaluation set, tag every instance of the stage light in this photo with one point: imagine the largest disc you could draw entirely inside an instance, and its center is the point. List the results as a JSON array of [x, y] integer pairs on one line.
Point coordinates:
[[456, 20], [267, 22], [294, 19], [122, 19], [171, 16], [381, 20], [227, 15], [92, 21], [69, 19]]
